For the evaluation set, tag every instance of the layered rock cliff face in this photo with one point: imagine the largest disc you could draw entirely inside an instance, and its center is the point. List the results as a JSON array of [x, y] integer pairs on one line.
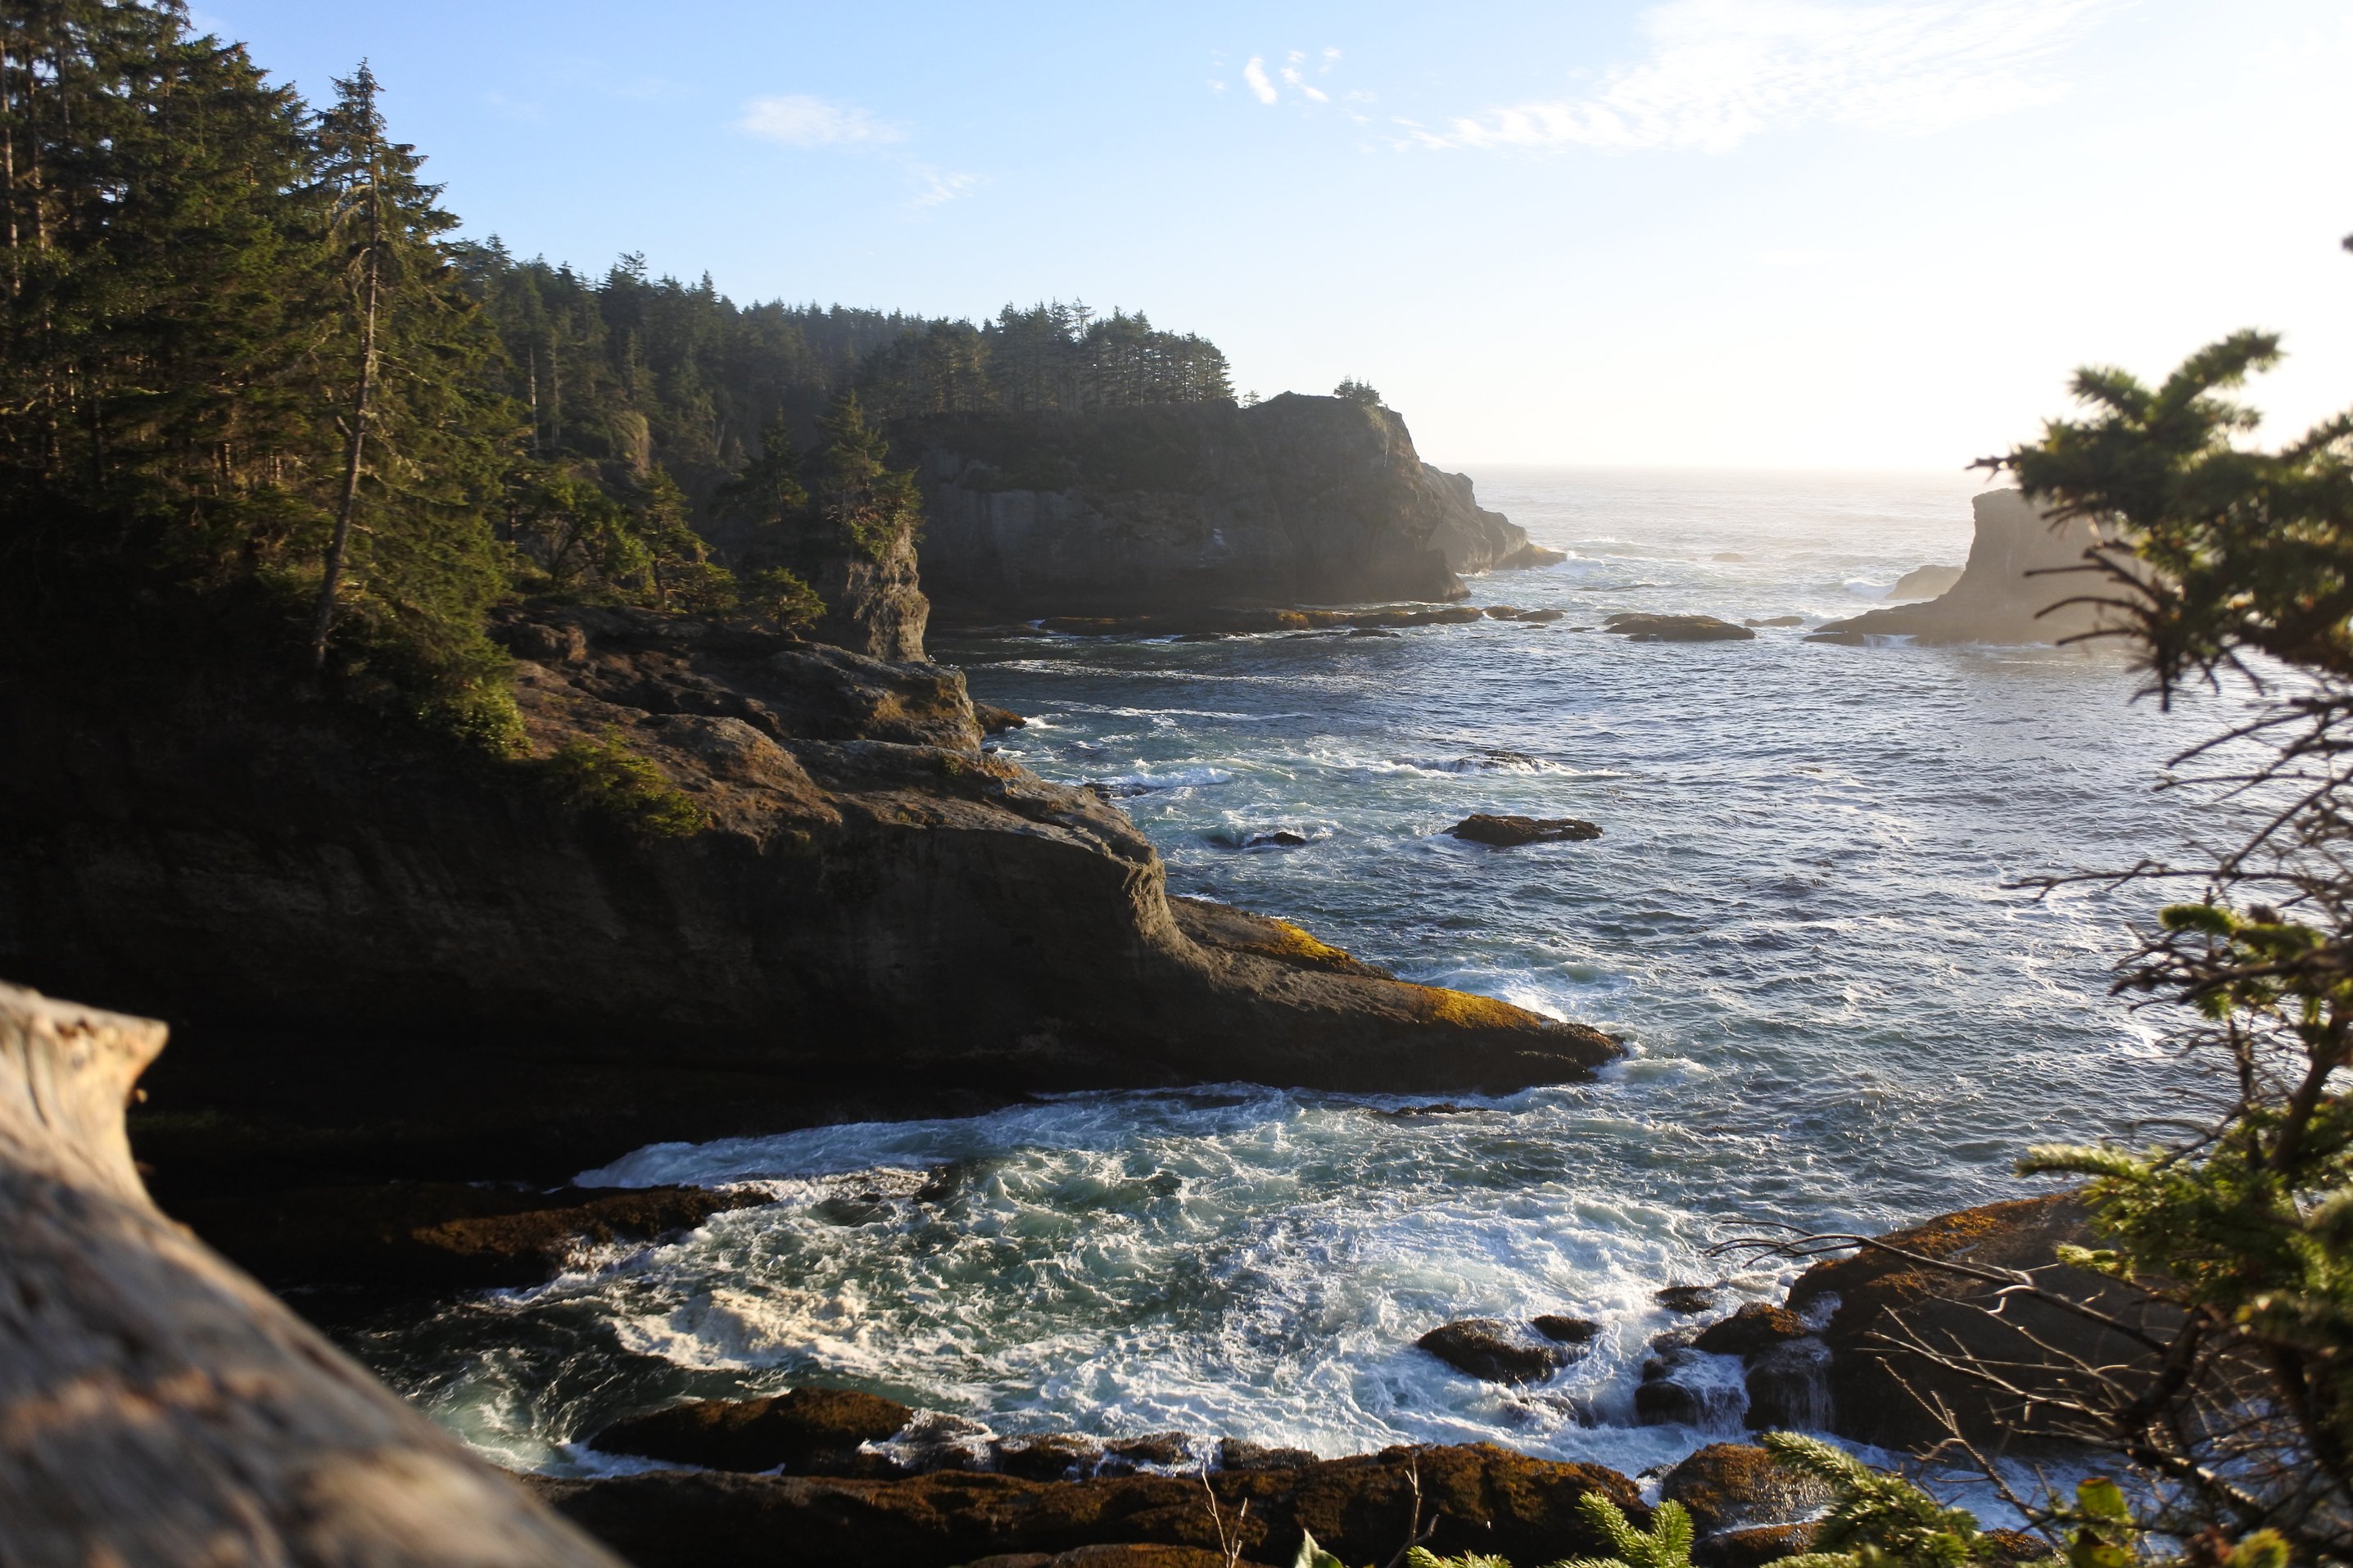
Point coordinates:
[[2012, 589], [873, 906], [1175, 507], [873, 606]]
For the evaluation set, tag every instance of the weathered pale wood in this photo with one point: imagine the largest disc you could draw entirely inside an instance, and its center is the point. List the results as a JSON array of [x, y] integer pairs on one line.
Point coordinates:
[[159, 1408]]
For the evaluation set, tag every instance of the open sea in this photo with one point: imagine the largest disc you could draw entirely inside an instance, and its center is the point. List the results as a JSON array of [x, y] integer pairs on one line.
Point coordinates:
[[1840, 1015]]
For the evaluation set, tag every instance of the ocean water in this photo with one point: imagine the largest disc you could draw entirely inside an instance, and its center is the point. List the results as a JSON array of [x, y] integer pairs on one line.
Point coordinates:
[[1841, 1013]]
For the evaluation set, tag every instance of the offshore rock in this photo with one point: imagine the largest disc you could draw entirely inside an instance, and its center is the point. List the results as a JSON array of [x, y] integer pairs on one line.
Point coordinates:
[[2020, 571], [1187, 506], [1496, 1351], [405, 959], [1482, 1497], [807, 1431], [1504, 831], [1644, 628], [157, 1406]]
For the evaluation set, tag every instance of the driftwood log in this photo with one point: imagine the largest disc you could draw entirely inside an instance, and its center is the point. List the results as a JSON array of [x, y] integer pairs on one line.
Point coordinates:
[[159, 1408]]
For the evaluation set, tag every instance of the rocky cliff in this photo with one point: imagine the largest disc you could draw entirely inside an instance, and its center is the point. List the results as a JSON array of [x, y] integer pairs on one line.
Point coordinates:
[[2011, 591], [1185, 506], [871, 907]]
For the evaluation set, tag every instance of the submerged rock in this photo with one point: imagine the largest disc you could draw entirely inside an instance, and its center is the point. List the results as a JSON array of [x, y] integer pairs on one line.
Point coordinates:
[[1505, 832], [1644, 628], [1496, 1351], [807, 1431], [1565, 1330], [1685, 1299]]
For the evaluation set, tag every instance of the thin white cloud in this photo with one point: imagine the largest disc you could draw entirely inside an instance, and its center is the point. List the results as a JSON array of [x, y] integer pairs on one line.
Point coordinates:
[[797, 120], [1255, 75], [1217, 84], [1722, 71], [936, 187], [1292, 77]]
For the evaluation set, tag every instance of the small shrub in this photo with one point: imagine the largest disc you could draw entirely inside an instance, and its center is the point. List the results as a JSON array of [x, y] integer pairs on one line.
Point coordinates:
[[784, 598], [605, 775]]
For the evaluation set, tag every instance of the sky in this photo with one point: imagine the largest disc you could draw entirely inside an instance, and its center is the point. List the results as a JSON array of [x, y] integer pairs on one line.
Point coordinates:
[[1842, 233]]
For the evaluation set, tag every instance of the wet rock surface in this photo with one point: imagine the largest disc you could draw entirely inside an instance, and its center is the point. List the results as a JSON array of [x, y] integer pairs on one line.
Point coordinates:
[[1504, 831], [1755, 1327], [429, 1237], [1645, 627], [1483, 1499], [1496, 1351], [807, 1431], [1777, 621], [1731, 1486], [1685, 1299], [1884, 1301], [1564, 1330]]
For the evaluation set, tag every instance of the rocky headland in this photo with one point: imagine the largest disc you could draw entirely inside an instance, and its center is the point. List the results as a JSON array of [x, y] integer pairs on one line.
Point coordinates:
[[1179, 508], [2022, 571]]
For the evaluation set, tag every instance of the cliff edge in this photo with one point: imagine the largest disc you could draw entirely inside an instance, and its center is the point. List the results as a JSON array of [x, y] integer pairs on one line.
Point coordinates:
[[1176, 507]]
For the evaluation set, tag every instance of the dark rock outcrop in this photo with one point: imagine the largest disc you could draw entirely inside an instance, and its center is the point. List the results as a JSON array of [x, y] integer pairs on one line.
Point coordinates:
[[873, 909], [1640, 627], [1564, 1330], [1505, 831], [1496, 1351], [1240, 1453], [1777, 621], [1878, 1387], [995, 720], [1753, 1330], [1181, 506], [157, 1406], [809, 1431], [1685, 1299], [1734, 1486], [1483, 1499], [429, 1237], [2011, 592]]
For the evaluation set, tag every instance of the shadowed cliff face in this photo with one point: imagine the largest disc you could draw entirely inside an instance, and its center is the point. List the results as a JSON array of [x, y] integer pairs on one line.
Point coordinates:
[[875, 907], [1297, 500]]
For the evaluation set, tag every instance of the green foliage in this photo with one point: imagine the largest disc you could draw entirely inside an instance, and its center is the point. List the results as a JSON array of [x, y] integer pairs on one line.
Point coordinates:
[[1351, 390], [605, 775], [852, 488], [1666, 1544], [2251, 550], [1879, 1520], [1311, 1555], [2225, 558], [778, 596]]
